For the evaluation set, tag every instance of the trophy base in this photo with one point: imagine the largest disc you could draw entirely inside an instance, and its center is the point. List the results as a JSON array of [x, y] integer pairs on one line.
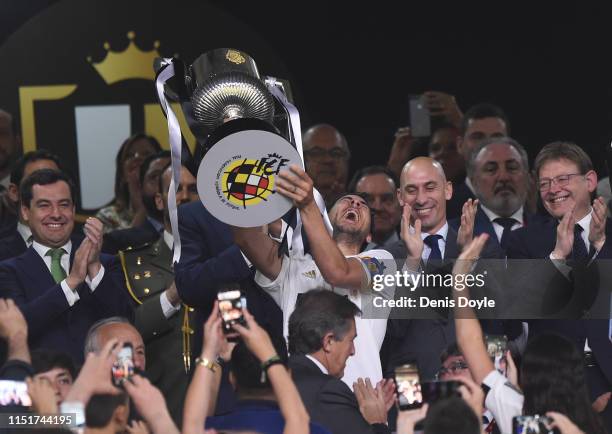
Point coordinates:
[[237, 177]]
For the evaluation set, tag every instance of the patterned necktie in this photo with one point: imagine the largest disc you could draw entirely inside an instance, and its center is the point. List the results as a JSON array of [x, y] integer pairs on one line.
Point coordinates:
[[506, 223], [57, 271], [432, 243], [579, 250]]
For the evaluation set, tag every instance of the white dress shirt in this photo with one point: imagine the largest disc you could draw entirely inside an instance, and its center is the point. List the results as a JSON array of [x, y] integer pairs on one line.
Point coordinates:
[[25, 232], [319, 364], [72, 296]]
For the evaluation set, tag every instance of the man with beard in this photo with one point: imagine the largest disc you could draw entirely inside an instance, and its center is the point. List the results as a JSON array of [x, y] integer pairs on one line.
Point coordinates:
[[153, 226], [335, 264], [377, 185], [481, 122], [160, 317], [498, 169], [326, 156]]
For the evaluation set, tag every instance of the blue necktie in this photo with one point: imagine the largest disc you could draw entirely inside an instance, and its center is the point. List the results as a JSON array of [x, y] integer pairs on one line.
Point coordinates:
[[579, 250], [432, 243], [506, 223]]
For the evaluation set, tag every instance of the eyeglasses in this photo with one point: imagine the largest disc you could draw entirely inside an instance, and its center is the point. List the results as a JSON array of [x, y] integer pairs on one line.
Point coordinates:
[[334, 153], [453, 368], [561, 180]]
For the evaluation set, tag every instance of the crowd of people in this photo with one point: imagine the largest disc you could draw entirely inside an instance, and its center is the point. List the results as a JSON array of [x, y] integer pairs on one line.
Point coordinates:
[[320, 338]]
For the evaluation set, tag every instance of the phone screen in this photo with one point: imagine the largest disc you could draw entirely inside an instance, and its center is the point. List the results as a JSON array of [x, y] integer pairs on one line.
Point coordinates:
[[420, 119], [531, 425], [230, 306], [14, 393], [408, 386], [123, 368]]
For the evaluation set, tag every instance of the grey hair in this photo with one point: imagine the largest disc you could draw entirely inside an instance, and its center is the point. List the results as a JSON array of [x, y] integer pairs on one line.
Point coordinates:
[[91, 340], [471, 162]]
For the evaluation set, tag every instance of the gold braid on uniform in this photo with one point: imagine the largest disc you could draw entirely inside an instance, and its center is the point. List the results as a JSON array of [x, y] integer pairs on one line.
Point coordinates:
[[127, 279], [187, 332]]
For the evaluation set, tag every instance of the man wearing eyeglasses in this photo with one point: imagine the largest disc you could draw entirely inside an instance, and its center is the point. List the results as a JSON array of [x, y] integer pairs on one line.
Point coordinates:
[[377, 185], [578, 233], [326, 156]]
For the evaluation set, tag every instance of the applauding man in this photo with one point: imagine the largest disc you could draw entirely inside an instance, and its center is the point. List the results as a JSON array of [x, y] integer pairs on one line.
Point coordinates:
[[61, 286]]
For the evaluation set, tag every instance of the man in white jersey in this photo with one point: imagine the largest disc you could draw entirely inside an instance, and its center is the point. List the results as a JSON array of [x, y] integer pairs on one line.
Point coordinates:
[[335, 263]]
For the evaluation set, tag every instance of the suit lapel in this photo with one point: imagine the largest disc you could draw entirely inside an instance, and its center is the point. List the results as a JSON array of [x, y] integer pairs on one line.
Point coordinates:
[[483, 224], [38, 276]]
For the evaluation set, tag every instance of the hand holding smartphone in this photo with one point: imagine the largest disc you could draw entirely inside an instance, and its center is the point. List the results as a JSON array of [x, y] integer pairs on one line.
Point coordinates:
[[230, 308], [408, 386], [123, 368]]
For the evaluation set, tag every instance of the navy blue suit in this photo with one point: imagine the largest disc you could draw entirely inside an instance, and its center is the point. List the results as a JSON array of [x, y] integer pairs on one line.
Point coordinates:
[[258, 415], [537, 241], [11, 245], [461, 193], [52, 323], [210, 260]]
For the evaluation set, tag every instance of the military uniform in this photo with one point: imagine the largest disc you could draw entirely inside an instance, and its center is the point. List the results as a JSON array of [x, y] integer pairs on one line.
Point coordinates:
[[148, 273]]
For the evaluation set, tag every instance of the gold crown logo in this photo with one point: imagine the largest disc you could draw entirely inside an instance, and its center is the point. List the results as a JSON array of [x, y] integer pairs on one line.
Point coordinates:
[[128, 64]]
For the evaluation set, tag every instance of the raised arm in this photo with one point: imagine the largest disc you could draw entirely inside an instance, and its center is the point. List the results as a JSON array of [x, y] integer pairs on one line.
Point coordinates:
[[335, 268], [202, 391], [260, 249], [291, 405], [469, 333]]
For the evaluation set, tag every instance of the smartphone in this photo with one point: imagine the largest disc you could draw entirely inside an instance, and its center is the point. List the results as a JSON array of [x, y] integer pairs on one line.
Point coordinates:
[[230, 307], [496, 345], [420, 118], [532, 425], [14, 393], [435, 390], [408, 386], [123, 368]]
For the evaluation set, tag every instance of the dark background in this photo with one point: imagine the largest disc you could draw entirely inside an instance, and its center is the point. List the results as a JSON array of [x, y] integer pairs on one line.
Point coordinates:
[[353, 66]]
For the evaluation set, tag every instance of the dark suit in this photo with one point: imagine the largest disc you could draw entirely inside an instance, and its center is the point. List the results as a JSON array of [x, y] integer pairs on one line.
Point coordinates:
[[8, 216], [461, 193], [257, 415], [209, 260], [482, 224], [12, 245], [328, 400], [537, 241], [122, 239], [52, 323], [425, 338], [148, 271]]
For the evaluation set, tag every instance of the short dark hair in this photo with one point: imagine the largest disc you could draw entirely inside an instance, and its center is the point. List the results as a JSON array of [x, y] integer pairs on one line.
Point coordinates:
[[161, 177], [43, 177], [101, 407], [147, 162], [317, 313], [482, 111], [368, 171], [44, 360], [471, 161], [563, 150], [452, 415], [451, 351], [31, 157], [247, 368]]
